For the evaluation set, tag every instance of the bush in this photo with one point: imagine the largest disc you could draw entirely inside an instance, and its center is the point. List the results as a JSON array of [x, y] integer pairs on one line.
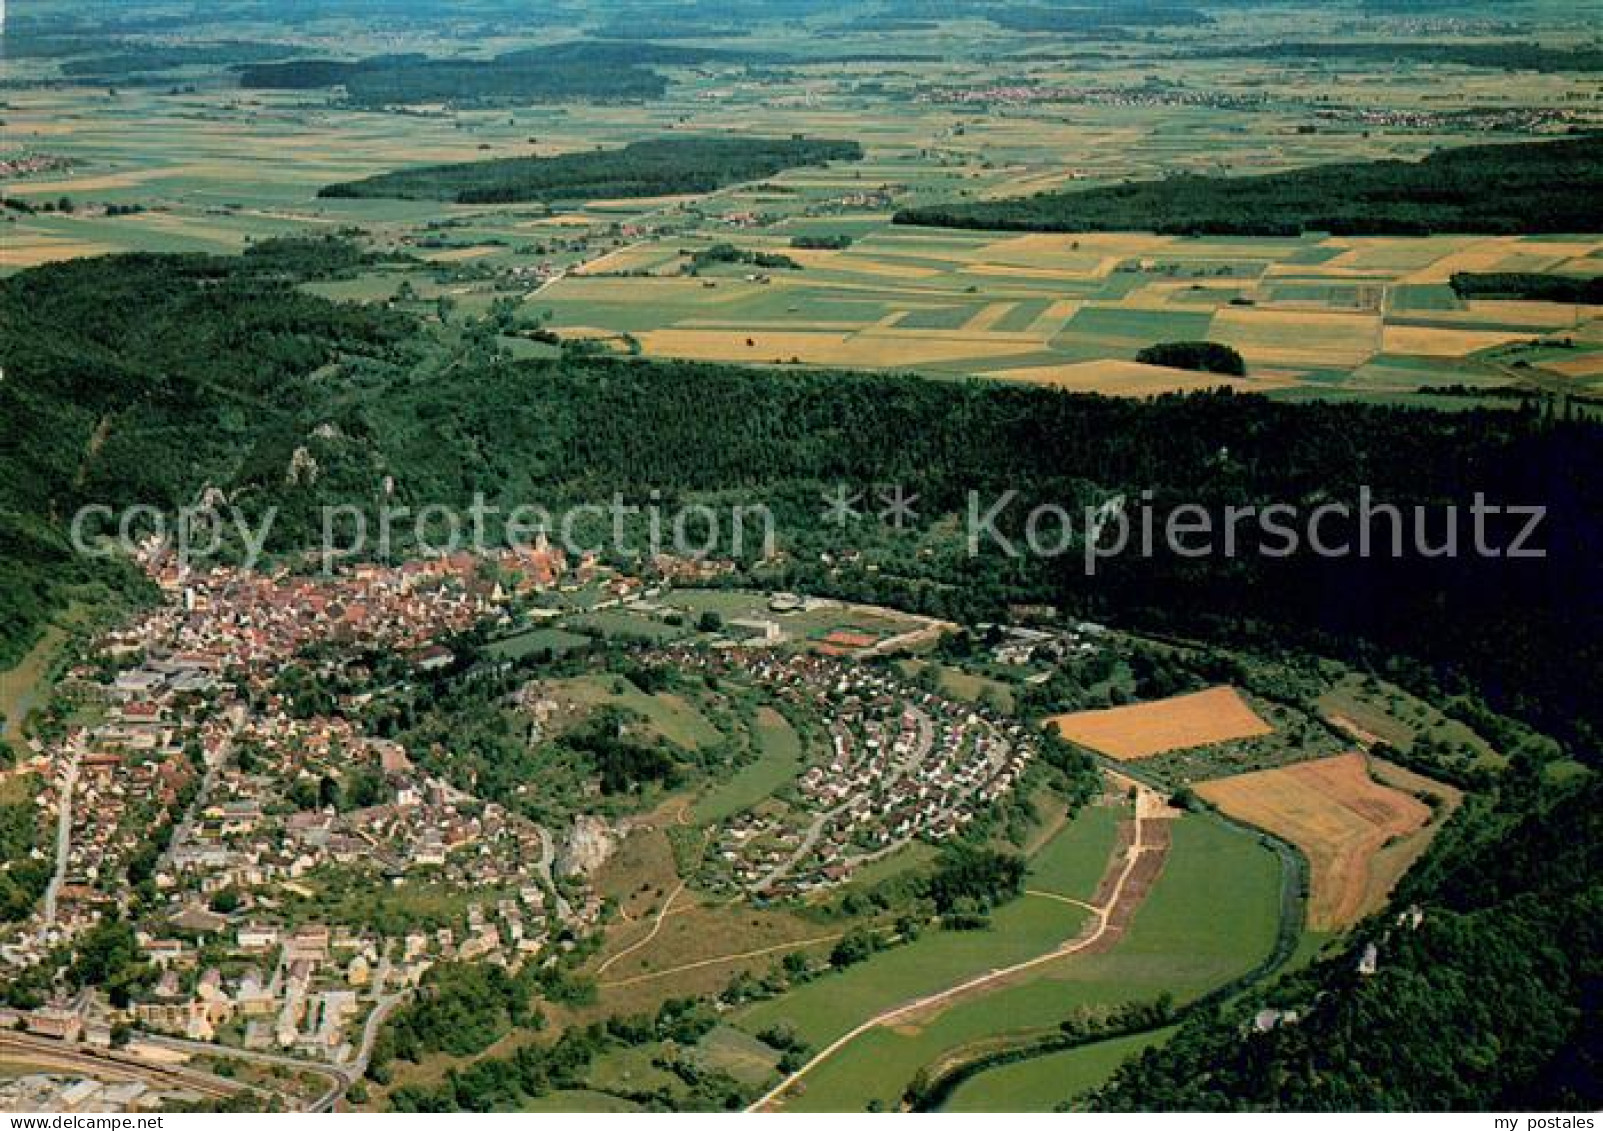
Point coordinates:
[[1202, 357]]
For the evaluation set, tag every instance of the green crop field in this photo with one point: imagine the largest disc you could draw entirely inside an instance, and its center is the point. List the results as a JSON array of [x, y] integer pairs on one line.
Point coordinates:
[[1042, 1083], [824, 1009], [1211, 917]]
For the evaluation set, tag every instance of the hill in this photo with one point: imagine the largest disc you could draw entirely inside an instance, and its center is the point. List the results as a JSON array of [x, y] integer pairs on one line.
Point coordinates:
[[1483, 1003], [148, 379]]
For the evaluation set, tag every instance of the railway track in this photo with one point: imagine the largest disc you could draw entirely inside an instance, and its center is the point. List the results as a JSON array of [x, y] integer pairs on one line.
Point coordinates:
[[52, 1054]]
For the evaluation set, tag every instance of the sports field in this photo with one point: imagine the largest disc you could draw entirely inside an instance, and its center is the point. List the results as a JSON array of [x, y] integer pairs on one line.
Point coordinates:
[[1339, 816], [1143, 730]]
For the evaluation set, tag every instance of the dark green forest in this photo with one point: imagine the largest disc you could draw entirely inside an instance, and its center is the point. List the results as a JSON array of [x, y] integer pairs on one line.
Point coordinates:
[[147, 378], [1524, 285], [659, 167], [1201, 357], [1519, 189], [536, 75]]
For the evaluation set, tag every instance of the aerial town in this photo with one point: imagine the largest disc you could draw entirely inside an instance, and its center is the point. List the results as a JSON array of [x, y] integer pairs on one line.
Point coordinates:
[[188, 779], [901, 763]]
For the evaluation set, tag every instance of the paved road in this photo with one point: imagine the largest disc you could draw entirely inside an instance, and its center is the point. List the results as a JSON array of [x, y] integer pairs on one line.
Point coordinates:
[[63, 838], [920, 751]]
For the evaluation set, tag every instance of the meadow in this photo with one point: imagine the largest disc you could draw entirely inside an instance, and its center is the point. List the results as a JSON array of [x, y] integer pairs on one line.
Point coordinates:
[[779, 760], [1210, 917], [1043, 1082]]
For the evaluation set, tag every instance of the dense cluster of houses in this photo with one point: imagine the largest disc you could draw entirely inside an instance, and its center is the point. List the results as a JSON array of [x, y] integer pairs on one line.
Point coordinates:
[[235, 814], [903, 763], [1120, 96]]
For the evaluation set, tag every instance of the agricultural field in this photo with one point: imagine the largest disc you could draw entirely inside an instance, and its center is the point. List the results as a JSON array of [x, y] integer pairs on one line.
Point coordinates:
[[1342, 818], [207, 166], [1210, 916], [1042, 1083], [1145, 730]]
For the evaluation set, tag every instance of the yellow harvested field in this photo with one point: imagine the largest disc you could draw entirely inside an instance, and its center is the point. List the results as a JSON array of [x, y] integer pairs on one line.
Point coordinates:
[[1298, 337], [1430, 341], [34, 252], [1515, 312], [1145, 730], [1340, 817], [880, 350], [1481, 256], [1118, 378], [858, 264], [986, 320], [459, 254], [1586, 365]]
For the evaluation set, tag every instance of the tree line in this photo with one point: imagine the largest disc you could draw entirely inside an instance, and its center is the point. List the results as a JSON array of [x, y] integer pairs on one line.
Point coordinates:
[[656, 167], [1525, 188]]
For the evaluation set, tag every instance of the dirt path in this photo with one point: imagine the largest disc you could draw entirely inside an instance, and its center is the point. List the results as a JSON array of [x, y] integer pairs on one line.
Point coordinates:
[[702, 964], [1111, 915], [656, 926], [1091, 907]]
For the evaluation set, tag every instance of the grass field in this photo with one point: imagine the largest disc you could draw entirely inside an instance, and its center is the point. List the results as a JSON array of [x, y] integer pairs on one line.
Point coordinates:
[[824, 1009], [1043, 1082], [668, 715], [1210, 917], [22, 687], [1339, 816], [1143, 730], [536, 640], [779, 760]]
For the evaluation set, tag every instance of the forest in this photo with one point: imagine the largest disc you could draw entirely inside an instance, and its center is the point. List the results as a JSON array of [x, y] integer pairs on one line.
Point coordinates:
[[659, 167], [559, 74], [1513, 189], [1201, 357], [196, 370], [1527, 285]]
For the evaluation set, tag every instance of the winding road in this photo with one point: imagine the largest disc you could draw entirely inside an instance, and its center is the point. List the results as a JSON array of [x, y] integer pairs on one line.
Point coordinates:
[[69, 782]]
